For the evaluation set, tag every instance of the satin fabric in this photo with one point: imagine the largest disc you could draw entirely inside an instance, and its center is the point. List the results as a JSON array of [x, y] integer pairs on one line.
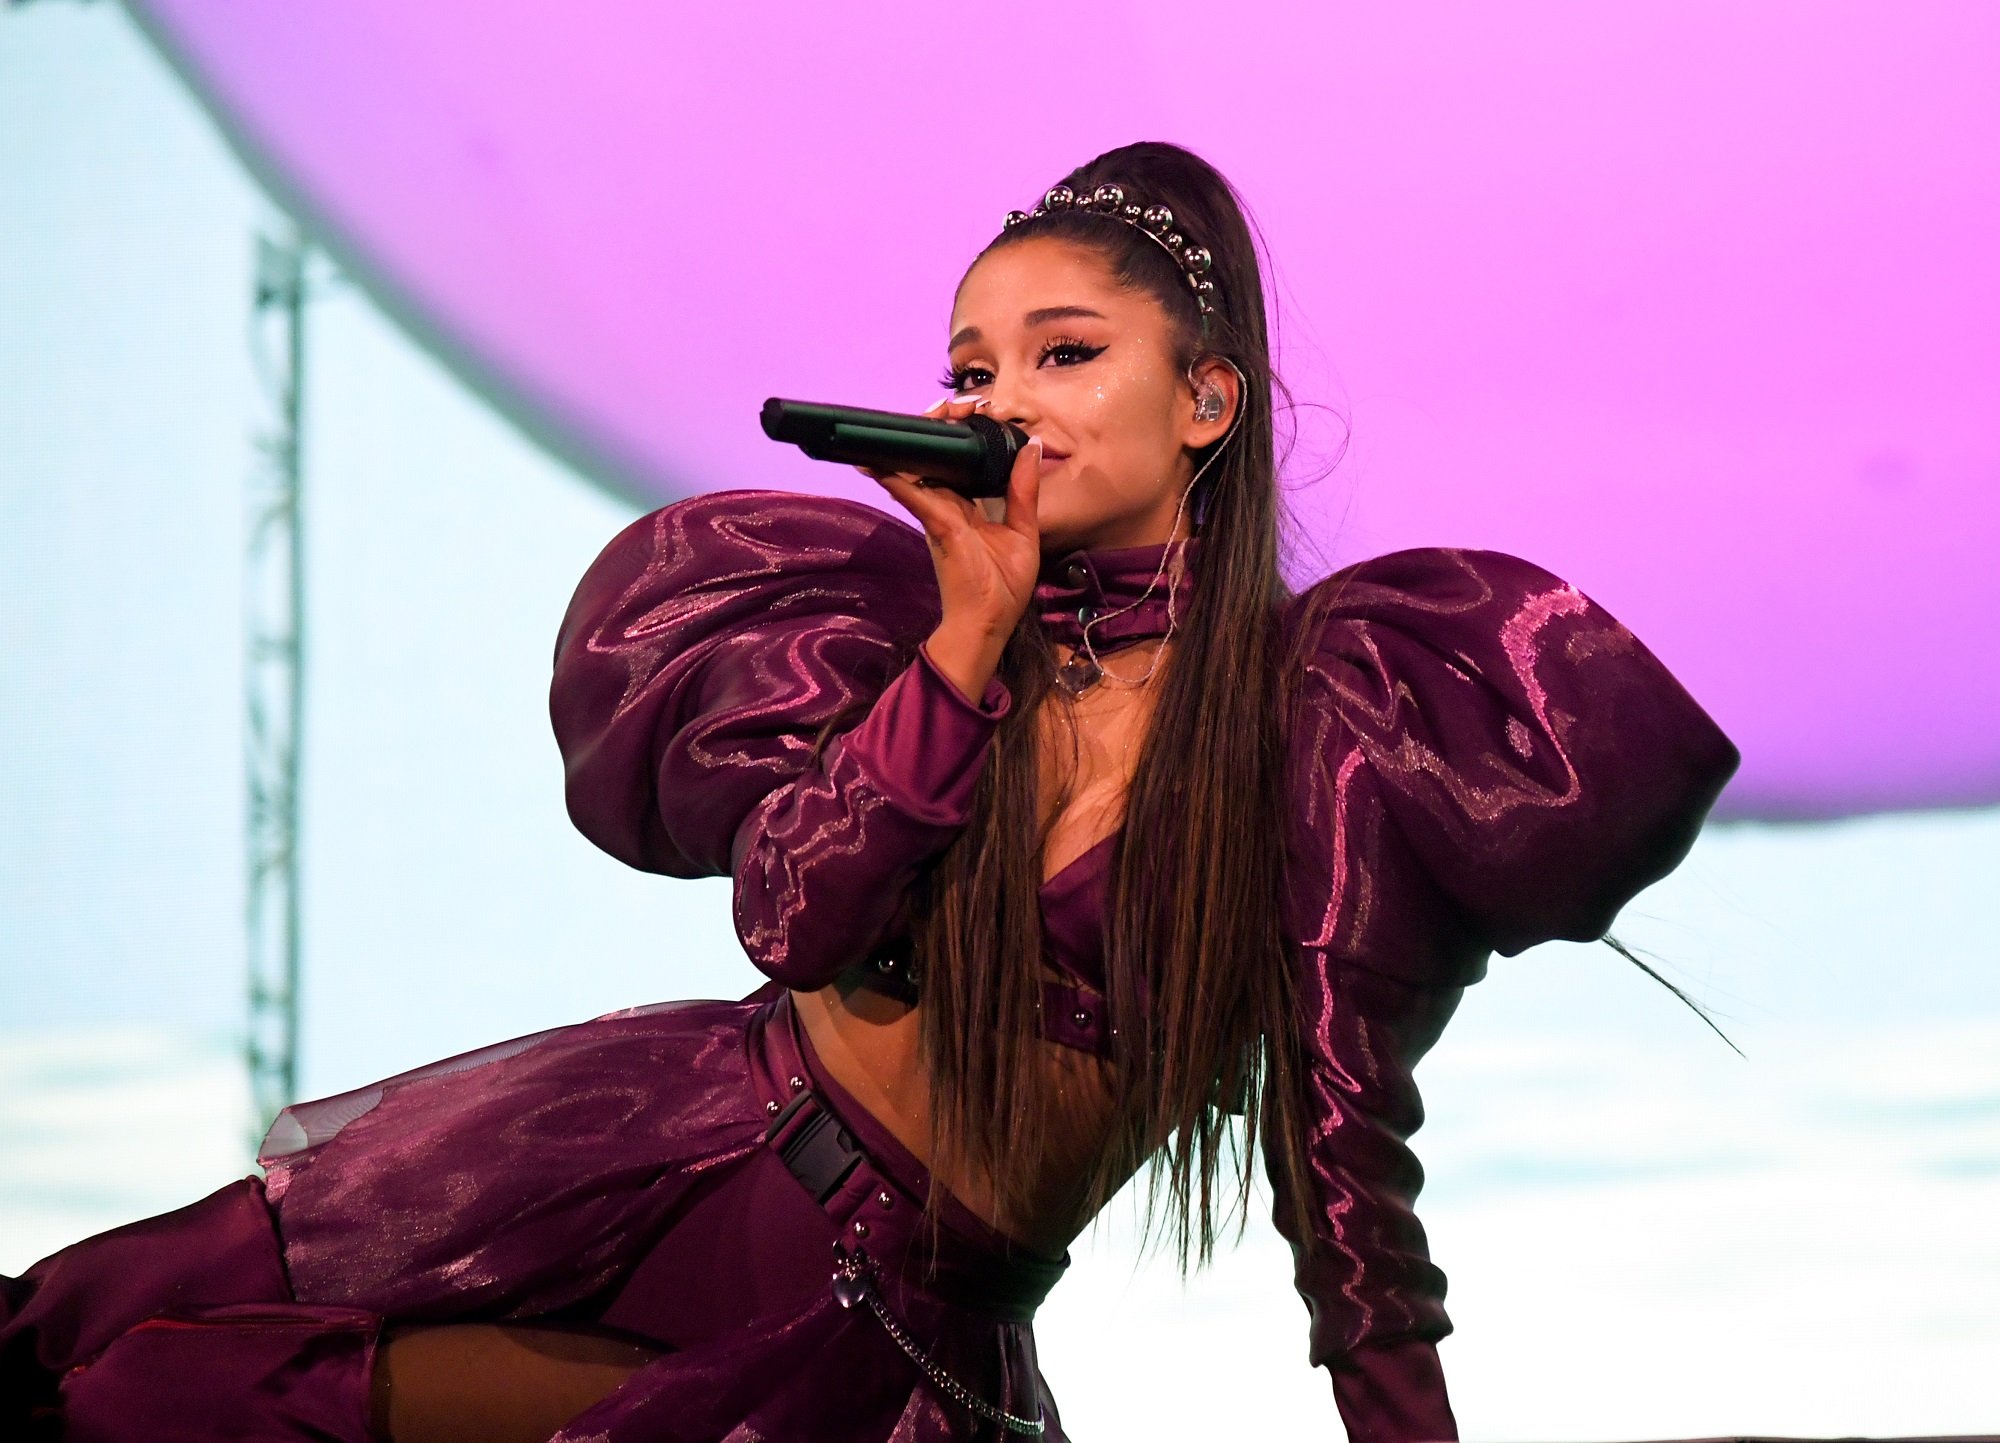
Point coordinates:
[[613, 1175], [1482, 759]]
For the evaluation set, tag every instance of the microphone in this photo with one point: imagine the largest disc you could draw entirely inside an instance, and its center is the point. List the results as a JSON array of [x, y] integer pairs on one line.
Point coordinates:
[[973, 457]]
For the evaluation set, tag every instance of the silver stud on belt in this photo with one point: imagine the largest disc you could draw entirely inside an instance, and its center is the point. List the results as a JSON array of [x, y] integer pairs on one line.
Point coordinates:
[[854, 1282]]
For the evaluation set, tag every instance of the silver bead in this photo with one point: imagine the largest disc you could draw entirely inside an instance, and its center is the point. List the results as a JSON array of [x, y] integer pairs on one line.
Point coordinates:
[[1159, 220], [796, 1082], [861, 1230], [884, 1199], [772, 1108], [1131, 213], [1197, 258], [1204, 287], [1015, 217], [1061, 198], [1081, 1018], [1175, 240], [1109, 196]]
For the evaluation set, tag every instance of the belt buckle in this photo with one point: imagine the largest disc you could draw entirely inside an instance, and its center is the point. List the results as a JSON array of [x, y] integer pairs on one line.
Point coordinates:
[[818, 1152]]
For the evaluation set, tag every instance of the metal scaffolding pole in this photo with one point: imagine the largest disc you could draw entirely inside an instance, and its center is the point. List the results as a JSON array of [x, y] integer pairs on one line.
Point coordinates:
[[274, 674]]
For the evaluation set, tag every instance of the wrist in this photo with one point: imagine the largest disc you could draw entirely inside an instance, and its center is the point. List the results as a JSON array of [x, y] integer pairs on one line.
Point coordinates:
[[967, 655], [1394, 1392]]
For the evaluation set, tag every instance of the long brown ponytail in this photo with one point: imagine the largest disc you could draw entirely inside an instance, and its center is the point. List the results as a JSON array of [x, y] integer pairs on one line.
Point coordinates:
[[1199, 967]]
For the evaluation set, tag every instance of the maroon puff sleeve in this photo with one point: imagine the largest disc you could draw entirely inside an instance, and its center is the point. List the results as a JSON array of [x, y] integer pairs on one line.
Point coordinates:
[[702, 654], [1541, 762], [1485, 760]]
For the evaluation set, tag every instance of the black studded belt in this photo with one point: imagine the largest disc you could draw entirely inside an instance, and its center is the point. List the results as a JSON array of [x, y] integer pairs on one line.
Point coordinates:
[[875, 1202]]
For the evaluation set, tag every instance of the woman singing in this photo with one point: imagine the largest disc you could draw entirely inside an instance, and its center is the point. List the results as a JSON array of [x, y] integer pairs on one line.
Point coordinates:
[[1072, 843]]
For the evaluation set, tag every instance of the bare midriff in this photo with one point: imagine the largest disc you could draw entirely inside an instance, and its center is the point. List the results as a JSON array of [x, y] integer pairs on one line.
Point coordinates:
[[870, 1046], [870, 1043]]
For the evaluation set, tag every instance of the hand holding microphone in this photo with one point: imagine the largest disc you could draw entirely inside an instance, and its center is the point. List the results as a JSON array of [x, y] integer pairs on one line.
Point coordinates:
[[987, 552]]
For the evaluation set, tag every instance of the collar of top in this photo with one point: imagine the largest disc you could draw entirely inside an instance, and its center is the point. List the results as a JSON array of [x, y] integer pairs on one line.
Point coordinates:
[[1075, 587]]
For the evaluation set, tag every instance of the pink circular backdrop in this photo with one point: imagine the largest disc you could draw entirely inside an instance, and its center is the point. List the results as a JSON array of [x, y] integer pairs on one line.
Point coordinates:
[[1696, 306]]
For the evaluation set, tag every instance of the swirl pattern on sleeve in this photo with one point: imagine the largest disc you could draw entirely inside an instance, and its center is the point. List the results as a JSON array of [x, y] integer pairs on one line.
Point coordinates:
[[703, 654], [1485, 759]]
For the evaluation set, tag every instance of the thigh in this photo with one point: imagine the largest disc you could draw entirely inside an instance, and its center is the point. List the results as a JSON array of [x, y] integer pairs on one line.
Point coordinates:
[[492, 1383]]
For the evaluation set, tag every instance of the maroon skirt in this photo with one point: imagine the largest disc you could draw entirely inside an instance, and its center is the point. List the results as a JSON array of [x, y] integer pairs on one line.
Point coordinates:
[[685, 1176]]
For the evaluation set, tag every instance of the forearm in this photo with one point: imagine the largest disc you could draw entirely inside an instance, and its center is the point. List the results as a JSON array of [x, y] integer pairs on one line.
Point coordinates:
[[823, 866]]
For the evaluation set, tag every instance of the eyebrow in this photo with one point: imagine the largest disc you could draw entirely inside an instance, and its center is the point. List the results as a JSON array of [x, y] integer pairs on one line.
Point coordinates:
[[1032, 319]]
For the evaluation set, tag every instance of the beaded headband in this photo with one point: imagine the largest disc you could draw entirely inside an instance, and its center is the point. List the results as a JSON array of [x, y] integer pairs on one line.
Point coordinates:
[[1155, 222]]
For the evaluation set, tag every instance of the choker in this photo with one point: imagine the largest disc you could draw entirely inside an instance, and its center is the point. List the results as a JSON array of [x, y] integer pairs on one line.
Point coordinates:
[[1096, 601]]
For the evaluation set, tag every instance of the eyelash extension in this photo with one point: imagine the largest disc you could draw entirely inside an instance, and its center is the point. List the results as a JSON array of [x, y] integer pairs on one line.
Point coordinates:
[[953, 378]]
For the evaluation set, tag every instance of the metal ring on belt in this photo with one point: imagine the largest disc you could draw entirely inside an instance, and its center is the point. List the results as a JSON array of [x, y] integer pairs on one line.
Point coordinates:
[[822, 1156], [854, 1282]]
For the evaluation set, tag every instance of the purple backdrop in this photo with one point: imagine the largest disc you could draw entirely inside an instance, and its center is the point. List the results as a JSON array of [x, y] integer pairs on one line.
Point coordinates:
[[1696, 306]]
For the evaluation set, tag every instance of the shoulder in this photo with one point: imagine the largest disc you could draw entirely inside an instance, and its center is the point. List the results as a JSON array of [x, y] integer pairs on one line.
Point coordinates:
[[778, 528], [1444, 612], [1441, 582], [1536, 756], [727, 559], [706, 646], [739, 538]]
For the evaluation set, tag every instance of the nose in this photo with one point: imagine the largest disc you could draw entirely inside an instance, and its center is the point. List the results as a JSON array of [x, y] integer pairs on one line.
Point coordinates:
[[1006, 402], [1021, 416]]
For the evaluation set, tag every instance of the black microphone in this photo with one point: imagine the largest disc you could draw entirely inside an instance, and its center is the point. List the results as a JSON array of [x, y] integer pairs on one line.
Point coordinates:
[[973, 457]]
